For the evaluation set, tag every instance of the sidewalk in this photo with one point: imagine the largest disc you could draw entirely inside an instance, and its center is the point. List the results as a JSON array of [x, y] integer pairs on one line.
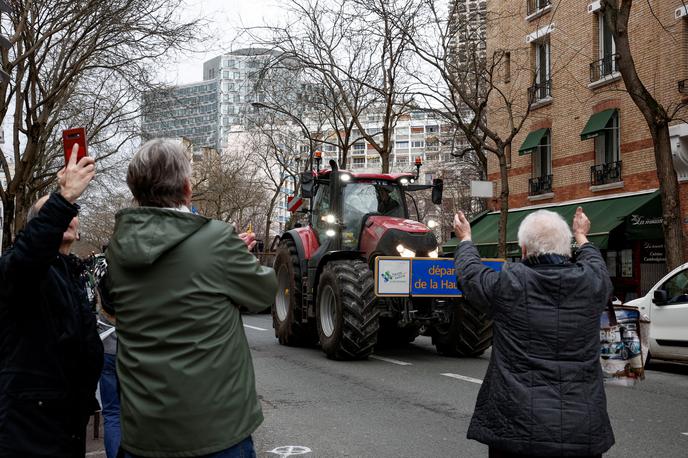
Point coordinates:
[[94, 447]]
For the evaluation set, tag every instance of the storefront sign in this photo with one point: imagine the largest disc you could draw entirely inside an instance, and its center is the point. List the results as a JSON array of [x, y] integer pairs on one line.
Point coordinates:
[[431, 277], [652, 252]]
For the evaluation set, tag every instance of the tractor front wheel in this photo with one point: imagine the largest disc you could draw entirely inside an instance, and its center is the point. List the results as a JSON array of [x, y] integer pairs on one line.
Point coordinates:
[[286, 312], [345, 311], [468, 333]]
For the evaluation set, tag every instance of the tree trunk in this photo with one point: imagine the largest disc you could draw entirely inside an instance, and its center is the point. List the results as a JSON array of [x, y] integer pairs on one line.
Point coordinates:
[[384, 159], [669, 191], [8, 221], [504, 197]]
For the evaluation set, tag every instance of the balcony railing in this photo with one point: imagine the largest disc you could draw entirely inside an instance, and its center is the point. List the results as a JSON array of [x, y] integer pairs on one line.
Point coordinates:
[[540, 91], [604, 67], [540, 185], [605, 173], [536, 5]]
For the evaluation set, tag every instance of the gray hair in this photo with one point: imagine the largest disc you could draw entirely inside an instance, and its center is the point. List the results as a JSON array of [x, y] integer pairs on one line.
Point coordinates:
[[545, 232], [157, 174], [36, 208]]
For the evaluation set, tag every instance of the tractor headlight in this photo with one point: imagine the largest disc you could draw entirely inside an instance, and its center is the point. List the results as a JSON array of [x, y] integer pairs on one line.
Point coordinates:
[[404, 181], [329, 219], [432, 224], [330, 233], [405, 252], [434, 253], [345, 177]]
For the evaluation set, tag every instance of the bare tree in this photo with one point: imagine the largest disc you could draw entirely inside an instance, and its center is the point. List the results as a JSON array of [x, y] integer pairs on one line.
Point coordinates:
[[353, 51], [457, 77], [658, 114], [76, 64]]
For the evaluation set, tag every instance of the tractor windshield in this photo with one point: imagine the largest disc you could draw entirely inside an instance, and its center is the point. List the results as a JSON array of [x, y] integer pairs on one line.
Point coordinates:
[[361, 198]]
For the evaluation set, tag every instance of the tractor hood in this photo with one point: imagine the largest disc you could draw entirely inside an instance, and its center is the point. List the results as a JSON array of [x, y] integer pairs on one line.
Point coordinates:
[[387, 222], [382, 234]]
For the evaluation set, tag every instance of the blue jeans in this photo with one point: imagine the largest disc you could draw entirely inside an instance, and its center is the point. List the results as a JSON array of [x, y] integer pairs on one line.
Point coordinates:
[[109, 396], [243, 449]]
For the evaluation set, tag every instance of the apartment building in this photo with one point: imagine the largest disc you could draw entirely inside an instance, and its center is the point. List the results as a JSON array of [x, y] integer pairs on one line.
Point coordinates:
[[585, 142]]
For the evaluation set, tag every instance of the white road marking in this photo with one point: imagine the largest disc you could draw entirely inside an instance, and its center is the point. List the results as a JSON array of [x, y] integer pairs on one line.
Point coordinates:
[[290, 450], [389, 360], [254, 327], [464, 378], [685, 434]]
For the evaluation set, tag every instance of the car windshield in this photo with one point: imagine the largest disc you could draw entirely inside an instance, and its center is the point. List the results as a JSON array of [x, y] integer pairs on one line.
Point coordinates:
[[361, 198]]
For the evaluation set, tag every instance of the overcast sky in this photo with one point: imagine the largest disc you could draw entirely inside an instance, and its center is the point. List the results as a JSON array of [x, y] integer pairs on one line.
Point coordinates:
[[227, 16]]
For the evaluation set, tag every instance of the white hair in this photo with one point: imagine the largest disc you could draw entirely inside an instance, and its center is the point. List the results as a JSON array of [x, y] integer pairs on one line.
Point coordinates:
[[545, 232]]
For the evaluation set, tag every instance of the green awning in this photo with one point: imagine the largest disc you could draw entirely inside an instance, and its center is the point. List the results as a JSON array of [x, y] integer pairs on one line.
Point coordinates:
[[605, 215], [532, 141], [597, 123]]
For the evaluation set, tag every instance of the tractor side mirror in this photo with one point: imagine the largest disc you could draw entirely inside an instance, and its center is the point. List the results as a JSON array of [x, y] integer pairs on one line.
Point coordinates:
[[437, 189], [307, 184], [660, 297]]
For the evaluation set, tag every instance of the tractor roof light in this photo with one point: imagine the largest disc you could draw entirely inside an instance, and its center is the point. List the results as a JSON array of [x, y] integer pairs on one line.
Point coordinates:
[[345, 177], [404, 181], [432, 224], [419, 161]]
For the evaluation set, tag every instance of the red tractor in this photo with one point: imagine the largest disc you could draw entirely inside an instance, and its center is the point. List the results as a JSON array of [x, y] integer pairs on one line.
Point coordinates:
[[325, 271]]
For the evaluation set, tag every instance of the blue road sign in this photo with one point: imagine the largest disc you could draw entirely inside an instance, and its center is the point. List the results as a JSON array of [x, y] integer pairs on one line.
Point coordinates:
[[430, 277]]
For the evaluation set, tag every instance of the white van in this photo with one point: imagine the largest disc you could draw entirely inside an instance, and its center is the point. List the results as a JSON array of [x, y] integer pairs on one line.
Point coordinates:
[[667, 306]]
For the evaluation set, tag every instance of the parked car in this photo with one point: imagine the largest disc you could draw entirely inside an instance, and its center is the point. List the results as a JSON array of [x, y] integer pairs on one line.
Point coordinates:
[[667, 306]]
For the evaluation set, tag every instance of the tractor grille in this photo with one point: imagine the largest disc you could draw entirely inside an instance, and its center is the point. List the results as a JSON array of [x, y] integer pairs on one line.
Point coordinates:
[[421, 243]]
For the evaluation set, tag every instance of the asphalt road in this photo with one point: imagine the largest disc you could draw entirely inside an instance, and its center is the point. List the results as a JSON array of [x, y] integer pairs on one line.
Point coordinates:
[[411, 402]]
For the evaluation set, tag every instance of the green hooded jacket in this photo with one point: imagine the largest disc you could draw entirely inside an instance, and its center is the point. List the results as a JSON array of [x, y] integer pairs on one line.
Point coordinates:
[[176, 280]]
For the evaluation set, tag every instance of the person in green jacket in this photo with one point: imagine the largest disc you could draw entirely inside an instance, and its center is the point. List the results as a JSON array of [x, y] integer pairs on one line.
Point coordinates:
[[176, 281]]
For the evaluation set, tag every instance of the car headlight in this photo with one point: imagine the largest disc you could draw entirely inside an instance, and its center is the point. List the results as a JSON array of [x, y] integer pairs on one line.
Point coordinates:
[[434, 253], [405, 252]]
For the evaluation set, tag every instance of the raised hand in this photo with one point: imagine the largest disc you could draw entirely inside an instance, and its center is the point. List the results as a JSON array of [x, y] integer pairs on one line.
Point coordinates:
[[75, 176], [462, 228], [580, 226]]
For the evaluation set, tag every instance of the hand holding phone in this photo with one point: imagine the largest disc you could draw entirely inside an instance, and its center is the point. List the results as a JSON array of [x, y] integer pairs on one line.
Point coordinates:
[[75, 176], [71, 137]]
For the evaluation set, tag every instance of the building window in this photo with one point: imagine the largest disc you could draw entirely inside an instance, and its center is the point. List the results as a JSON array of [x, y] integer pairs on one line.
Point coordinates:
[[431, 129], [402, 145], [606, 65], [507, 67], [607, 168], [418, 144], [542, 89], [358, 162], [541, 182], [536, 6]]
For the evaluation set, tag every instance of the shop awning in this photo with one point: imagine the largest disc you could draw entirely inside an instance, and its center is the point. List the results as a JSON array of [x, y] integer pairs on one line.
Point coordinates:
[[605, 215], [532, 141], [597, 123]]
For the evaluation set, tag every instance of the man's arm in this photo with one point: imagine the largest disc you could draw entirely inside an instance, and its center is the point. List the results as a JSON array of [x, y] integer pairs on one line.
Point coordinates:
[[476, 280], [589, 254], [37, 245], [250, 284]]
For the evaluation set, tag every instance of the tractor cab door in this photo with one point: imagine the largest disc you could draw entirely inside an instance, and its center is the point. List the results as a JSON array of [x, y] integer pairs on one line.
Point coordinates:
[[321, 208]]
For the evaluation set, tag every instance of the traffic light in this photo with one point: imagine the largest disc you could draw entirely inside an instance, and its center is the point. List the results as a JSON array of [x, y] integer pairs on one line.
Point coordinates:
[[4, 42]]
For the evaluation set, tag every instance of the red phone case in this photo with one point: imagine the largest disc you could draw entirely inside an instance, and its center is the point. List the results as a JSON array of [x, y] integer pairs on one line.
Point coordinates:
[[72, 136]]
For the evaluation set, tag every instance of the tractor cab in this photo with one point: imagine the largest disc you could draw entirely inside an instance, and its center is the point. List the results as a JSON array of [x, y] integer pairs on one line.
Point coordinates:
[[368, 213]]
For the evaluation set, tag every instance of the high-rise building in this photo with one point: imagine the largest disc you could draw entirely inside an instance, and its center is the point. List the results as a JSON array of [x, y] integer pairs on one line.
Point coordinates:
[[468, 28], [204, 112]]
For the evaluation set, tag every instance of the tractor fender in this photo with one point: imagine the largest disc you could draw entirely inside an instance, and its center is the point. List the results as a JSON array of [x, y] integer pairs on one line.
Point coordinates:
[[305, 240]]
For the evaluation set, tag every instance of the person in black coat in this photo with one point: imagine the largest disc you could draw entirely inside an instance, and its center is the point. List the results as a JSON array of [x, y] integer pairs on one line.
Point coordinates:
[[543, 393], [50, 352]]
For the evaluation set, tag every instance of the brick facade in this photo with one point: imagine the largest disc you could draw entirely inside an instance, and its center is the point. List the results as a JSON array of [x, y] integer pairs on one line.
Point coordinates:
[[660, 52]]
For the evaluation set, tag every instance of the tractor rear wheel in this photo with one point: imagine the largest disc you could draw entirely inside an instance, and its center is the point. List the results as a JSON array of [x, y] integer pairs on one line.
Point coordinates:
[[286, 312], [345, 311], [468, 333]]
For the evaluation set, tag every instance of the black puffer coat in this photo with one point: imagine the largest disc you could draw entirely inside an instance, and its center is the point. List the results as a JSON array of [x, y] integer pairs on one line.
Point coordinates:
[[543, 393], [50, 352]]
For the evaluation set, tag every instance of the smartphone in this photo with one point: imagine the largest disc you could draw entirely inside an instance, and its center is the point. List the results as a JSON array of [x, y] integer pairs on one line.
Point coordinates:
[[71, 137]]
